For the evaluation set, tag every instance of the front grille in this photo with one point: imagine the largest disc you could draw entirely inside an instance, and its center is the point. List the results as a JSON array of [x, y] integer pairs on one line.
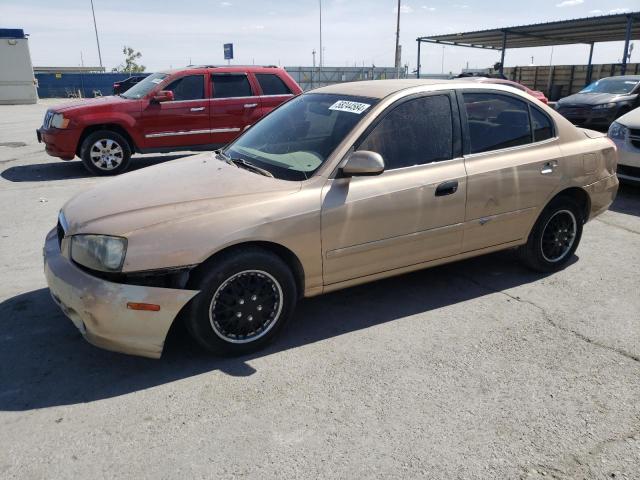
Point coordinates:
[[629, 171], [47, 119], [60, 232], [573, 111], [634, 137]]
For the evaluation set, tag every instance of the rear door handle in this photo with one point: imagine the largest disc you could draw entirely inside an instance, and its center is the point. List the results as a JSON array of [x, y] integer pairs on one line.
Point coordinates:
[[197, 109], [548, 167], [250, 105], [447, 188]]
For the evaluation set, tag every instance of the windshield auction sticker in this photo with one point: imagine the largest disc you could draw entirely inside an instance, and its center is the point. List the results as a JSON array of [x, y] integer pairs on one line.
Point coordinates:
[[351, 107]]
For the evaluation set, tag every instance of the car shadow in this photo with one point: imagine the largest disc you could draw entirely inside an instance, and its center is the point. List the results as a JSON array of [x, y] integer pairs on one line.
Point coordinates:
[[59, 170], [628, 200], [45, 362]]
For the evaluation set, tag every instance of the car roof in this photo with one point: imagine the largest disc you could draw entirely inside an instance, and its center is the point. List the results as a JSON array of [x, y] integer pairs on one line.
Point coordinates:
[[226, 69], [383, 88]]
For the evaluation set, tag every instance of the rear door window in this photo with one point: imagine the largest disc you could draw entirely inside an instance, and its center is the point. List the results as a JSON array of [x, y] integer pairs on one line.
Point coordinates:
[[416, 132], [190, 87], [496, 121], [229, 86], [272, 84]]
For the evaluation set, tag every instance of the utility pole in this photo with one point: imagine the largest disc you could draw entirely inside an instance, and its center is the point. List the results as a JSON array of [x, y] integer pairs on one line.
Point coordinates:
[[442, 59], [320, 34], [397, 65], [93, 12], [314, 65]]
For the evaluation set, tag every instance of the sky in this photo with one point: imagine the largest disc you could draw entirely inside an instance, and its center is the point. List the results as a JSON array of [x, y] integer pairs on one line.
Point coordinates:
[[285, 32]]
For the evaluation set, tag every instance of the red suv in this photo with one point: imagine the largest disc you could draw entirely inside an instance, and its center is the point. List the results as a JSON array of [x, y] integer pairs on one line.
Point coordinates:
[[189, 109]]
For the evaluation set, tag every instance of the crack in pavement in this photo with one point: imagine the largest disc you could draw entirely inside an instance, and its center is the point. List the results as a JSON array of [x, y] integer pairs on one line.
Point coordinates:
[[547, 316], [615, 225]]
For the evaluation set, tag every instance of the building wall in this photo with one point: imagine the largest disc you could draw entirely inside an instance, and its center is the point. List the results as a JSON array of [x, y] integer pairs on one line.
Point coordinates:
[[16, 73], [86, 85], [559, 81], [312, 77]]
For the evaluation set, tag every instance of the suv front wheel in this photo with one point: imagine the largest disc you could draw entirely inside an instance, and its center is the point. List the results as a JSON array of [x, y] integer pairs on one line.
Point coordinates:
[[105, 152]]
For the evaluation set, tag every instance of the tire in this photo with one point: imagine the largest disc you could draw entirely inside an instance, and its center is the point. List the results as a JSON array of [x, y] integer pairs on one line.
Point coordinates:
[[252, 288], [555, 236], [105, 152]]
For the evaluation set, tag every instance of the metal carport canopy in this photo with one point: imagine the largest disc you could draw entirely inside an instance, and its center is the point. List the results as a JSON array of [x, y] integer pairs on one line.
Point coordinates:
[[589, 30]]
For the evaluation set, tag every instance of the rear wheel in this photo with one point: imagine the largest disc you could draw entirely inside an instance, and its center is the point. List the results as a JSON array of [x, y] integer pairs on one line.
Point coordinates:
[[105, 152], [555, 236], [246, 298]]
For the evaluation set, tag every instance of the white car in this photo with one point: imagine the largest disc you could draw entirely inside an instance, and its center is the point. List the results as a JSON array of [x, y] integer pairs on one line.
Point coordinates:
[[625, 132]]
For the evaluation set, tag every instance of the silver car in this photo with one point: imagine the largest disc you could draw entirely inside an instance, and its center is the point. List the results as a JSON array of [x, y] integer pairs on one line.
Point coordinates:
[[625, 132]]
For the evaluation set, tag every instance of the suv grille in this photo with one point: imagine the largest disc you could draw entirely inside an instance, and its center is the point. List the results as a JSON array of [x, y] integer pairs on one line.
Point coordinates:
[[47, 119], [634, 137]]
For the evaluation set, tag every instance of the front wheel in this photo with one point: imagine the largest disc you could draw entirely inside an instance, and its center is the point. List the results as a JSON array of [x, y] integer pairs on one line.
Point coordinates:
[[245, 299], [105, 152], [555, 236]]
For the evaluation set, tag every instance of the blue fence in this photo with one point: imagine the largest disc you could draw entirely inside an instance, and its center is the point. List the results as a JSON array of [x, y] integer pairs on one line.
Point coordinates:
[[69, 84]]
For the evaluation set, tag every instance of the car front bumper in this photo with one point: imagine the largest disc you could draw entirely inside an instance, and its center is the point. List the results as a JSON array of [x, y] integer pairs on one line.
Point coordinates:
[[58, 142], [628, 159], [98, 308], [588, 117]]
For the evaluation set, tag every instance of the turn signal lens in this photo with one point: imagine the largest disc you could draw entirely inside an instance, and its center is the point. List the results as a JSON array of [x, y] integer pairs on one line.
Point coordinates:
[[149, 307]]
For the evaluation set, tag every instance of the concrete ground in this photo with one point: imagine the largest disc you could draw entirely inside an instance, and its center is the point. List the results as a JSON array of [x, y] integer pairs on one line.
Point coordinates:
[[479, 369]]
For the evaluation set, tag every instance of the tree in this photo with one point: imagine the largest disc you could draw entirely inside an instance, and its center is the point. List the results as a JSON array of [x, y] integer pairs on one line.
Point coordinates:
[[130, 61]]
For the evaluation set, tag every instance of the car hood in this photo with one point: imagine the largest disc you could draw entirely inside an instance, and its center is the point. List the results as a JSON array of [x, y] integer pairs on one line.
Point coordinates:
[[631, 119], [99, 102], [593, 98], [170, 192]]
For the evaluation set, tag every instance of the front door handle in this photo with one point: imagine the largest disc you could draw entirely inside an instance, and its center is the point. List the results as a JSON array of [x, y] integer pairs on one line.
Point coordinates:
[[197, 109], [447, 188], [250, 105], [548, 167]]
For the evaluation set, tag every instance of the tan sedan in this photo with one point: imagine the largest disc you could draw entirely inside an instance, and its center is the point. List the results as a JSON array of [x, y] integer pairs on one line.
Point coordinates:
[[340, 186]]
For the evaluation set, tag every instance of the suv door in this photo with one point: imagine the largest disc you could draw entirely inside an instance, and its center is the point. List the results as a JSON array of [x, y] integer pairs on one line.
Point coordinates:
[[181, 122], [511, 156], [414, 211], [234, 106], [274, 91]]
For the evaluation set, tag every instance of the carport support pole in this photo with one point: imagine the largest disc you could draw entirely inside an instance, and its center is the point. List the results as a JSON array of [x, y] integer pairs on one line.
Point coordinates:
[[504, 47], [589, 65], [418, 64], [627, 38]]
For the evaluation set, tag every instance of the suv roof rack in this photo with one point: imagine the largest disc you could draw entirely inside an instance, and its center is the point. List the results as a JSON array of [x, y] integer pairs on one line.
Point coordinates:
[[225, 66]]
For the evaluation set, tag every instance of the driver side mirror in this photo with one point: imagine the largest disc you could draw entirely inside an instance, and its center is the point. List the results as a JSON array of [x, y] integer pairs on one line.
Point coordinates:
[[163, 96], [363, 163]]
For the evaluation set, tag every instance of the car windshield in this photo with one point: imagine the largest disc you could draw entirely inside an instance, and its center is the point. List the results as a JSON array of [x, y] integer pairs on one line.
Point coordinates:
[[293, 141], [611, 85], [140, 89]]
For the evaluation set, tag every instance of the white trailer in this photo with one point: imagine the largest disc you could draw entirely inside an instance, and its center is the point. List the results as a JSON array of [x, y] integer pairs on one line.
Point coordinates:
[[17, 82]]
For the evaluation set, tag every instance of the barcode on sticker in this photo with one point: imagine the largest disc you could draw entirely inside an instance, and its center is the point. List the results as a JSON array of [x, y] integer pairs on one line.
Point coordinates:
[[348, 106]]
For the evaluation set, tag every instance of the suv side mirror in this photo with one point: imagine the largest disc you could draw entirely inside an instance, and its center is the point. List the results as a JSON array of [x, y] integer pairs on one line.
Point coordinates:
[[163, 96], [363, 163]]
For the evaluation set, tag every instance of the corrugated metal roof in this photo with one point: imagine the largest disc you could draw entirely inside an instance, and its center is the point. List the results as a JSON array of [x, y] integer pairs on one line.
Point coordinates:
[[605, 28]]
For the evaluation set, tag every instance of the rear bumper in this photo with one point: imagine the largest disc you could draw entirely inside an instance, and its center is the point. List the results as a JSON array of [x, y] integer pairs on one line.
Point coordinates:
[[98, 308], [59, 143], [602, 194]]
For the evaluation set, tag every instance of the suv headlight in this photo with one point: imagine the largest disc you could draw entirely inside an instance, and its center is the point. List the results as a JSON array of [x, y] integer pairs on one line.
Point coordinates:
[[617, 131], [99, 252], [59, 121], [604, 106]]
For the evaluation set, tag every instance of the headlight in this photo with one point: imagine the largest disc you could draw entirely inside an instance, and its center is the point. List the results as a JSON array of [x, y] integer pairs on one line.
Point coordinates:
[[604, 106], [617, 131], [99, 252], [58, 121]]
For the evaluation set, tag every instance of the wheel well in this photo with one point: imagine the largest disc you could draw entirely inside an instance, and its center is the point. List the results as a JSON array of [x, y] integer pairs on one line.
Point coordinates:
[[286, 255], [579, 196], [105, 126]]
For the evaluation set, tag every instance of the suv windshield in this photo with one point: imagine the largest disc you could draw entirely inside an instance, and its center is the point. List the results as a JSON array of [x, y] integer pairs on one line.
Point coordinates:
[[293, 141], [140, 89], [611, 85]]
